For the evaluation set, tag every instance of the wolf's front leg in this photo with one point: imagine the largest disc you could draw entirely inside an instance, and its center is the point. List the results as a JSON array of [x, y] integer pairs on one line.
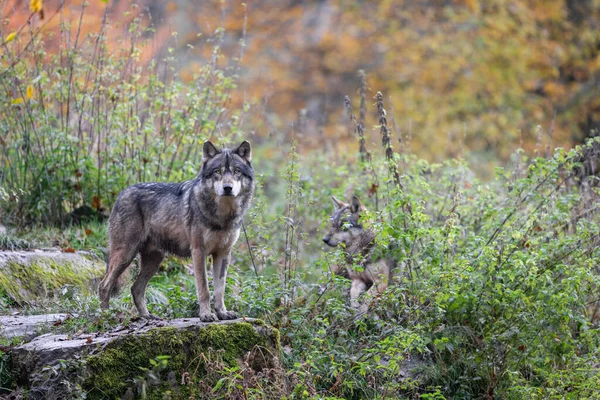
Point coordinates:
[[358, 286], [221, 262], [199, 261]]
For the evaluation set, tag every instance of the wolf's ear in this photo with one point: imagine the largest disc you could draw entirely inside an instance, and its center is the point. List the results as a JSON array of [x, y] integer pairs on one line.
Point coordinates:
[[209, 150], [244, 150], [337, 203], [356, 205]]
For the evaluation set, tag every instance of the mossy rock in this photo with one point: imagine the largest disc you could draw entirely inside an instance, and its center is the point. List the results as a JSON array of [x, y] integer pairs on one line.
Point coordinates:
[[108, 365], [29, 276]]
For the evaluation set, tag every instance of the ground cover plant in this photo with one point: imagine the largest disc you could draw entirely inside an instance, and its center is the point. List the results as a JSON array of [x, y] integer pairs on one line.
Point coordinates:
[[496, 293]]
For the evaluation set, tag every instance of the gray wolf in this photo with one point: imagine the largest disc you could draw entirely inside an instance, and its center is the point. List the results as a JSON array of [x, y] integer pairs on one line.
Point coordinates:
[[358, 243], [198, 218]]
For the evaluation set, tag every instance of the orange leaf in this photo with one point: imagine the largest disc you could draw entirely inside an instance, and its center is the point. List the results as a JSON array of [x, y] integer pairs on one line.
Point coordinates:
[[96, 202], [373, 189]]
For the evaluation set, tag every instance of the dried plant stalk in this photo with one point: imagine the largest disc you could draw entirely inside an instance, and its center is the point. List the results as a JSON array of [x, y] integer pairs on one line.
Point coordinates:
[[363, 97], [386, 139], [365, 155]]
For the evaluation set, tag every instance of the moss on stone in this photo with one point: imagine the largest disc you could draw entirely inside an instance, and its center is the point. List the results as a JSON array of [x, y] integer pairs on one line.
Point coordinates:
[[43, 277], [111, 372]]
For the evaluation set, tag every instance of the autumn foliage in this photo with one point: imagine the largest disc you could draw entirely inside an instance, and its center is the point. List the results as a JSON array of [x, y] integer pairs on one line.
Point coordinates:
[[485, 74]]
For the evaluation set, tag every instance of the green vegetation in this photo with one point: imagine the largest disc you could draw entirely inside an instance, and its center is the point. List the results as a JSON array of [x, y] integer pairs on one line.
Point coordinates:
[[39, 278], [9, 242], [496, 291], [187, 351]]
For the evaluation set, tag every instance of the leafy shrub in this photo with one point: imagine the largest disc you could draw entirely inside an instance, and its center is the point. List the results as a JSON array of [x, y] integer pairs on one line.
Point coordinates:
[[495, 296], [493, 293]]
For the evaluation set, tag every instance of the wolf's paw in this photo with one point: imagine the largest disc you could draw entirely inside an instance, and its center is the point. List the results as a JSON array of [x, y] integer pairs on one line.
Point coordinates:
[[208, 317], [226, 315]]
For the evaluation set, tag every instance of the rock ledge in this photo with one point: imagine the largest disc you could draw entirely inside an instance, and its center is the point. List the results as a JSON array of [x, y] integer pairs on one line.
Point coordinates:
[[104, 365]]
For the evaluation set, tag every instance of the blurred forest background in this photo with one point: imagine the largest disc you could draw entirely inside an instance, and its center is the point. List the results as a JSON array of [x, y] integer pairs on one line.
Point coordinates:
[[494, 75]]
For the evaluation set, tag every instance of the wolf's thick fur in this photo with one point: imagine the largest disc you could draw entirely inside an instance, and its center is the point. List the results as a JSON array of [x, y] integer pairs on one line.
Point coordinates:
[[198, 218], [358, 243]]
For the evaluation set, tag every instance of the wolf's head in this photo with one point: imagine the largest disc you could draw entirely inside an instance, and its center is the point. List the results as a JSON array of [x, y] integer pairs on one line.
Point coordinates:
[[345, 226], [228, 171]]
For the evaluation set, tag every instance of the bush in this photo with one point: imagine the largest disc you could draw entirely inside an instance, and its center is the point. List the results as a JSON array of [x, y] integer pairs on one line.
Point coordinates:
[[495, 297]]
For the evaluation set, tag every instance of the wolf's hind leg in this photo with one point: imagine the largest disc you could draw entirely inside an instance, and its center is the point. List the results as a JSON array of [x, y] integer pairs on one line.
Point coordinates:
[[118, 261], [219, 279], [150, 262]]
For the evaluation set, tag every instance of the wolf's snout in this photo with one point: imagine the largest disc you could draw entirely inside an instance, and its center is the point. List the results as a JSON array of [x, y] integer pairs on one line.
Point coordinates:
[[228, 189], [326, 239]]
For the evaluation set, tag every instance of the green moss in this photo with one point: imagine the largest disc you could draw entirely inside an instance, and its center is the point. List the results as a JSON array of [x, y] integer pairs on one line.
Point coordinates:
[[43, 278], [111, 372]]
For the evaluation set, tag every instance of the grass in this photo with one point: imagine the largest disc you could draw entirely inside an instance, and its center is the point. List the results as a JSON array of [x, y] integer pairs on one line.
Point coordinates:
[[10, 242]]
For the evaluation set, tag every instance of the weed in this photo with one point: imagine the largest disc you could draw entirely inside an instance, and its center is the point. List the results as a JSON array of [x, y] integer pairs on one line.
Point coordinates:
[[9, 242]]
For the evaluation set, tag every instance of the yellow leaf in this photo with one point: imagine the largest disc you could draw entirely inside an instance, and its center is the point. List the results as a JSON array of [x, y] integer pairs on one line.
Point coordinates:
[[473, 5], [11, 36], [29, 92], [35, 5], [17, 101]]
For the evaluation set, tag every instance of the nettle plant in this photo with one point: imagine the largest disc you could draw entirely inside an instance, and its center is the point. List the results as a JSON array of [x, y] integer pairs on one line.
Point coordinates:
[[495, 294], [79, 121]]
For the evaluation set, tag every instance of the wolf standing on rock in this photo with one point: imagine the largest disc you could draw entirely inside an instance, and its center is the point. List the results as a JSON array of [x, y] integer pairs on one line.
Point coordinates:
[[198, 218]]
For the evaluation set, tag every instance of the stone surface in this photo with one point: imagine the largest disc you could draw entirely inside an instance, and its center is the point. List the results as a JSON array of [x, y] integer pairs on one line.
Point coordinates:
[[27, 325], [29, 276], [104, 365]]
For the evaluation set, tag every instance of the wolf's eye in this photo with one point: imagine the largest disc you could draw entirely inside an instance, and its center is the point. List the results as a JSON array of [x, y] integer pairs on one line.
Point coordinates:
[[236, 171], [217, 172]]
